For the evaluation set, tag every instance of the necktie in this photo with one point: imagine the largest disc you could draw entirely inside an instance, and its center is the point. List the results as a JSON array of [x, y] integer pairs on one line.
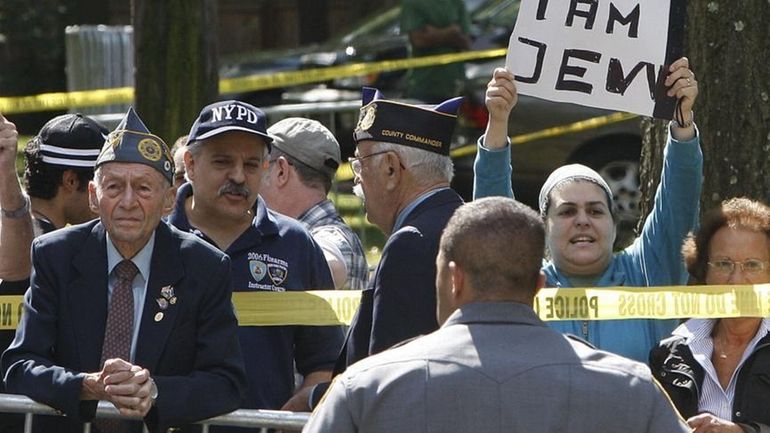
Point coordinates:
[[119, 330], [120, 317]]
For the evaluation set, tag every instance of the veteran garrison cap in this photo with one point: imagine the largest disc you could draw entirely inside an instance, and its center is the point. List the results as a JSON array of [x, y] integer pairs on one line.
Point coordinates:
[[225, 116], [424, 127], [71, 141], [131, 141]]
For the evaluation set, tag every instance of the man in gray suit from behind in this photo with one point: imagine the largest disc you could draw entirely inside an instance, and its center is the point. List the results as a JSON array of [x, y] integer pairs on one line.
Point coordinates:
[[494, 365]]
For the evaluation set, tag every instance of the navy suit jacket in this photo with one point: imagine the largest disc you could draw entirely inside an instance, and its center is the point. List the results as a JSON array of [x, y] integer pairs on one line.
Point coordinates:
[[400, 302], [192, 353]]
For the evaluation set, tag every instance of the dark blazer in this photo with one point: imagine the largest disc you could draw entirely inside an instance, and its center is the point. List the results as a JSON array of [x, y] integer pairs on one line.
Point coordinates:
[[192, 353], [400, 302]]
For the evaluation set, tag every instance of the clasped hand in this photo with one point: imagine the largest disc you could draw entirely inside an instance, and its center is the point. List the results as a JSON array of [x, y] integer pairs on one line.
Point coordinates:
[[128, 387]]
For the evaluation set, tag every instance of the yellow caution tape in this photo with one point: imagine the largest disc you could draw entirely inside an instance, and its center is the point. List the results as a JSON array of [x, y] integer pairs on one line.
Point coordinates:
[[11, 307], [571, 128], [321, 307], [328, 307], [610, 303], [125, 95], [282, 79], [65, 100]]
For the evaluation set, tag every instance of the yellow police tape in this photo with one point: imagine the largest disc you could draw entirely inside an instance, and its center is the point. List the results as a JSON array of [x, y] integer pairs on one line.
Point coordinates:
[[125, 95], [344, 172], [326, 307]]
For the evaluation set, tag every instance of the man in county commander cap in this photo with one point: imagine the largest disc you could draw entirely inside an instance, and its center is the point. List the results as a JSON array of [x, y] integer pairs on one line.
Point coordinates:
[[402, 171]]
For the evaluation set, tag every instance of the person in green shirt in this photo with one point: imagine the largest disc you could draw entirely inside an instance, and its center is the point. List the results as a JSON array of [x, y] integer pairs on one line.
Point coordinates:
[[435, 27]]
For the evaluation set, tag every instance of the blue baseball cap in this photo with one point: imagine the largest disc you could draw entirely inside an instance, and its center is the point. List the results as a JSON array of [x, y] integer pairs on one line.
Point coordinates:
[[226, 116]]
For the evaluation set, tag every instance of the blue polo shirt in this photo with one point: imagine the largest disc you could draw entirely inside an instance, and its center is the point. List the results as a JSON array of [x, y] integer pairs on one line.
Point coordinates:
[[275, 254]]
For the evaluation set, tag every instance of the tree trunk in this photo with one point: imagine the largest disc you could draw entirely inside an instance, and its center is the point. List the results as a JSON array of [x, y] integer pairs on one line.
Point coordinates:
[[176, 62], [728, 48]]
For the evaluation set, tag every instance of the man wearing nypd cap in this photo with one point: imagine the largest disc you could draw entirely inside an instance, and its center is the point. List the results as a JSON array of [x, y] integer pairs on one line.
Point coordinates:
[[402, 170], [126, 308], [303, 161], [225, 161]]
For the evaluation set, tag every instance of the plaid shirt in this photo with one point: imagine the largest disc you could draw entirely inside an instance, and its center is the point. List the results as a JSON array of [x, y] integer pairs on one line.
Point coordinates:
[[323, 220]]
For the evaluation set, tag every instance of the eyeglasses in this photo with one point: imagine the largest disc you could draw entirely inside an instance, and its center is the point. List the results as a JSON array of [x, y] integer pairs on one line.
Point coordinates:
[[355, 162], [726, 266]]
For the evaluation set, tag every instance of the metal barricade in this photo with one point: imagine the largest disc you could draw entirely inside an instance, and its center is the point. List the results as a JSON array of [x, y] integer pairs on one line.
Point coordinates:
[[251, 418]]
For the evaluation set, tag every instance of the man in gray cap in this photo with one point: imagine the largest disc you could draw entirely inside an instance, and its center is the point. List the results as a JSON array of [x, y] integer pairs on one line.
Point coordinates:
[[126, 308], [303, 162]]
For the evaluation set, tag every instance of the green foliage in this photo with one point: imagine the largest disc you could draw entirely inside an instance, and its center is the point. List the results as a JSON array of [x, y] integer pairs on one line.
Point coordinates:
[[35, 41], [32, 58]]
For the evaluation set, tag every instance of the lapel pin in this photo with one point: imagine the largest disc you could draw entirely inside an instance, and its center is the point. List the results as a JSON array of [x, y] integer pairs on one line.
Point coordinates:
[[172, 301], [162, 303], [158, 317], [167, 292]]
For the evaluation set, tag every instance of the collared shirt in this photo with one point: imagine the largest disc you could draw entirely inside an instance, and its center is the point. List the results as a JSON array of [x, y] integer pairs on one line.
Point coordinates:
[[139, 285], [713, 398], [410, 207], [325, 223]]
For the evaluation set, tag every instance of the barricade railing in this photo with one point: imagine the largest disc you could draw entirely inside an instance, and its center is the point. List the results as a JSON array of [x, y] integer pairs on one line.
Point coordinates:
[[250, 418]]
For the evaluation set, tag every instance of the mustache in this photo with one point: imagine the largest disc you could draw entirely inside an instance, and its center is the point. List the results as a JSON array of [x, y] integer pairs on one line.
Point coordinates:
[[234, 188]]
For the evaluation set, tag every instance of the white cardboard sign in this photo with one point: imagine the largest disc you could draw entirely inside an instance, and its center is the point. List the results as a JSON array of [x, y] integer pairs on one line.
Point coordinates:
[[611, 54]]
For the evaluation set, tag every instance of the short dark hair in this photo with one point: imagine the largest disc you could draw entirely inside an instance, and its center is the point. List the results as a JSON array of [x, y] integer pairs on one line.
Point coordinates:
[[42, 180], [740, 213], [309, 176], [499, 243]]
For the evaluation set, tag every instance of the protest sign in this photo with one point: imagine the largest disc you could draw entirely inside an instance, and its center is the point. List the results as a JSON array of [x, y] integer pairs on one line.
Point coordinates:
[[611, 54]]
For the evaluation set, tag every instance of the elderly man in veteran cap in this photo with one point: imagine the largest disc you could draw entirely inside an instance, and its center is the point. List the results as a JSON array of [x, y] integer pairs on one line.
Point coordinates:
[[225, 161], [303, 162], [402, 170], [126, 308]]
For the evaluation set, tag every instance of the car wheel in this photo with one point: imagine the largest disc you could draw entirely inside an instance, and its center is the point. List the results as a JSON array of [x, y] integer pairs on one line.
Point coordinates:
[[618, 164]]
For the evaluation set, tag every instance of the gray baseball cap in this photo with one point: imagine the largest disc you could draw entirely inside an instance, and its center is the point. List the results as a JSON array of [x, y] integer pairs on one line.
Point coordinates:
[[309, 142]]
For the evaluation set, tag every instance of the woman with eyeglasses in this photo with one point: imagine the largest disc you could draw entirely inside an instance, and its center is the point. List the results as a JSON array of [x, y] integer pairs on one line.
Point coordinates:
[[717, 371], [577, 207]]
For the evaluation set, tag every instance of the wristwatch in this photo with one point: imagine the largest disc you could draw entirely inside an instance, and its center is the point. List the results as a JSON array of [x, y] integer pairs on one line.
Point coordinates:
[[153, 391], [17, 213]]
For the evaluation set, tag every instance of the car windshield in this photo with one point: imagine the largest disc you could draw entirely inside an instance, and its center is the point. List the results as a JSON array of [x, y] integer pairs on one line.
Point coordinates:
[[501, 13], [388, 22]]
